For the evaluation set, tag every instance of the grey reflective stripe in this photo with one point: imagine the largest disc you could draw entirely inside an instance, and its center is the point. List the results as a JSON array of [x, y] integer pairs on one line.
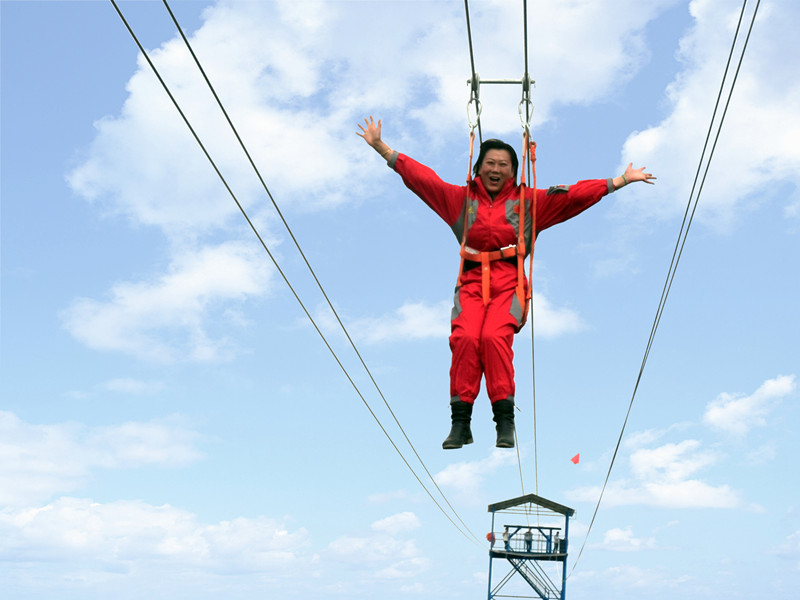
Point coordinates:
[[557, 189], [458, 226], [516, 310], [528, 232], [456, 306], [512, 216]]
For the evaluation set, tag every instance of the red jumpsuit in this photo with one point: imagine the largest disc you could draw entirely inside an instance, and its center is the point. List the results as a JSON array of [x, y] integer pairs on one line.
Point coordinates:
[[482, 334]]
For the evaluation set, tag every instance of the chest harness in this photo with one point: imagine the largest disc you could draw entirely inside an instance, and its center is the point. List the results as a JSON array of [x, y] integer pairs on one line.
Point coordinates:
[[518, 250]]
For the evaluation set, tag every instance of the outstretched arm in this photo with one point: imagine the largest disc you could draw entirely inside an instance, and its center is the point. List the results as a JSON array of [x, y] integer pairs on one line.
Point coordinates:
[[630, 175], [372, 135]]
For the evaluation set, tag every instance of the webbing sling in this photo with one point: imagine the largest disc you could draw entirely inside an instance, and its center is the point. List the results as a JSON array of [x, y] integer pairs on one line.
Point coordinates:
[[524, 295], [466, 207]]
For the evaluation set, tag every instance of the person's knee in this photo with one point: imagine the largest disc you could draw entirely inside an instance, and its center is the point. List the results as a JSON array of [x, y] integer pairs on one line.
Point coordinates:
[[464, 338], [498, 338]]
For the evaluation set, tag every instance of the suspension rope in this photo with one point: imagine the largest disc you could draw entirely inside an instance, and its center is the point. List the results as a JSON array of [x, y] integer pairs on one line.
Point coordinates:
[[525, 32], [475, 81], [526, 78], [531, 165], [285, 278], [529, 157], [691, 208], [525, 118], [521, 271], [305, 259], [528, 163]]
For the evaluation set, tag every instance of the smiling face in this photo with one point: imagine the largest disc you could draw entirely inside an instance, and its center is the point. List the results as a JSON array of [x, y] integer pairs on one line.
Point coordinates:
[[495, 170]]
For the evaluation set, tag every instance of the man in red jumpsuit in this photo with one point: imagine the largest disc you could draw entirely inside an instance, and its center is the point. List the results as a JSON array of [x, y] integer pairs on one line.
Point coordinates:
[[487, 312]]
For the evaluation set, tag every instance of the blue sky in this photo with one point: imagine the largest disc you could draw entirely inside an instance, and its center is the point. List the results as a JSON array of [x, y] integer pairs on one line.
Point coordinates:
[[172, 425]]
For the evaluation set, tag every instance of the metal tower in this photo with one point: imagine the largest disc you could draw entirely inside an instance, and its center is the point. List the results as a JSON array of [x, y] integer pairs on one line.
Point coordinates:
[[528, 533]]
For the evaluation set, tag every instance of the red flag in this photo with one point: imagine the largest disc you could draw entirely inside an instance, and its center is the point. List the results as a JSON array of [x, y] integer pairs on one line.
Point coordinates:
[[576, 458]]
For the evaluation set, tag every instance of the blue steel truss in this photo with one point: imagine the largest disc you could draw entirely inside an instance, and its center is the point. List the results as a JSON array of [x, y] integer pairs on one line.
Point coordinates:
[[528, 534]]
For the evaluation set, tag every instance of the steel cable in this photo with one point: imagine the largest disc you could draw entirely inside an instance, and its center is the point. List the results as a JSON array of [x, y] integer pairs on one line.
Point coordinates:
[[281, 272], [691, 207], [305, 259]]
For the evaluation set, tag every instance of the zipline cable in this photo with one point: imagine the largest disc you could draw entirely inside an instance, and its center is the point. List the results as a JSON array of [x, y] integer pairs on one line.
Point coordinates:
[[526, 78], [277, 266], [526, 100], [474, 85], [676, 257], [682, 235], [305, 259], [528, 163], [531, 177]]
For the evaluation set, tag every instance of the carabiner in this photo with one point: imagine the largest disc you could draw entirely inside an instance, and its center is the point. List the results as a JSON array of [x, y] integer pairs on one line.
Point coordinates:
[[527, 84], [474, 83], [478, 108]]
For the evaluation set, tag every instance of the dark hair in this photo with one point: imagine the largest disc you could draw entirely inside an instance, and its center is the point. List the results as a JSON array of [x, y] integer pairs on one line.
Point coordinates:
[[494, 144]]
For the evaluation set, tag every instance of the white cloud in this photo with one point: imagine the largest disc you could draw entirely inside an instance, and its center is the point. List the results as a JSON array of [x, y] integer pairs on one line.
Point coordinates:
[[128, 385], [792, 210], [134, 444], [401, 522], [551, 322], [762, 454], [691, 493], [638, 439], [790, 549], [467, 477], [757, 149], [288, 73], [412, 321], [623, 540], [382, 556], [38, 461], [419, 321], [165, 320], [667, 475], [120, 385], [670, 462], [374, 549], [289, 69], [631, 576], [664, 477], [394, 496], [606, 49], [739, 414], [119, 534]]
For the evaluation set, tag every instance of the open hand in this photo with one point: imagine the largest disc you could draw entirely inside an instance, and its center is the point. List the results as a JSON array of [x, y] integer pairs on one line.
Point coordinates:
[[371, 133], [632, 175]]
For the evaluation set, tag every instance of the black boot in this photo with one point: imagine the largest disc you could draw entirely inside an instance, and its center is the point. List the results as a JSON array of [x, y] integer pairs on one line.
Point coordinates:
[[460, 433], [504, 417]]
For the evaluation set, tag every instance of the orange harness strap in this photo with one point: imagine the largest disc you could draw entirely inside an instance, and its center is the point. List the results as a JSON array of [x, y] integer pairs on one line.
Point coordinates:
[[466, 206], [468, 253], [523, 292], [524, 295], [485, 259]]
